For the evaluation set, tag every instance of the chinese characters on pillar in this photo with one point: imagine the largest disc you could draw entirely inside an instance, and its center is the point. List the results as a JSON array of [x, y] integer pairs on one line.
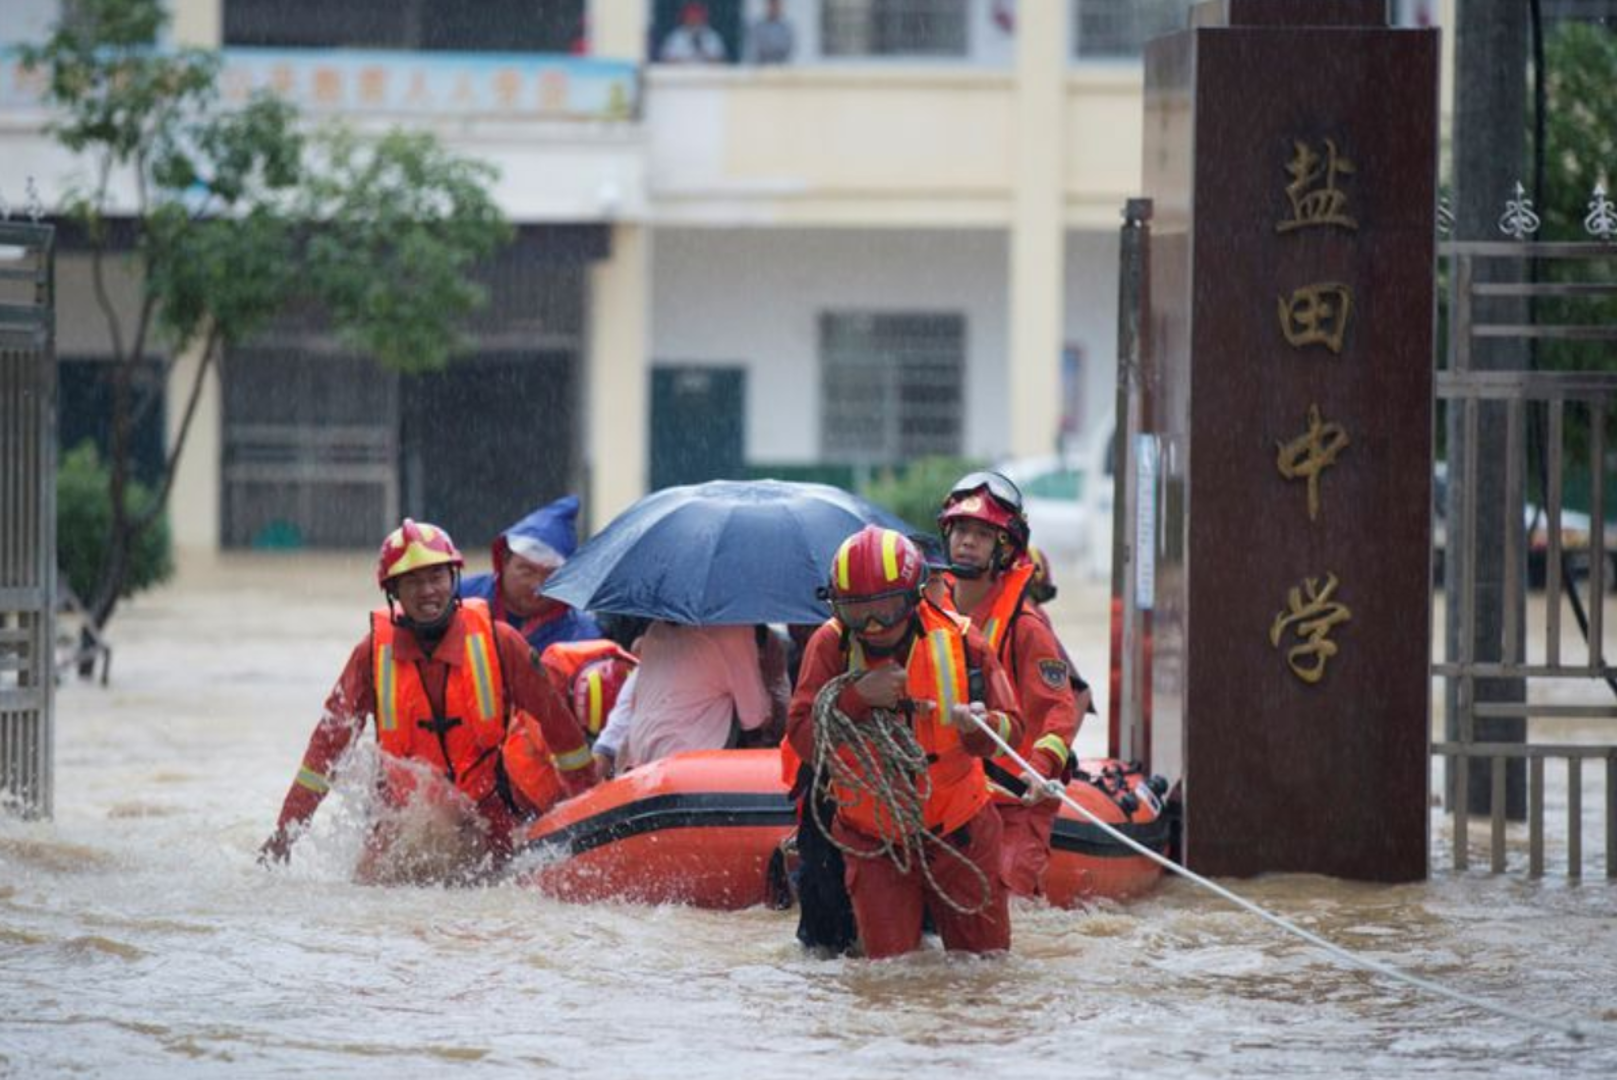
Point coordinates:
[[1310, 454], [1314, 314], [1311, 614]]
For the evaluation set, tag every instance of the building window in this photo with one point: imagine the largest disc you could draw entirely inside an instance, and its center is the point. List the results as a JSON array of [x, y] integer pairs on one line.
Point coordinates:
[[1119, 29], [893, 28], [891, 386], [486, 26]]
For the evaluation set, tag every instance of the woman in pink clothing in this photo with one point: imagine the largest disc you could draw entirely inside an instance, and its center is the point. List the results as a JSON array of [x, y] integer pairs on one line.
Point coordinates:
[[696, 686]]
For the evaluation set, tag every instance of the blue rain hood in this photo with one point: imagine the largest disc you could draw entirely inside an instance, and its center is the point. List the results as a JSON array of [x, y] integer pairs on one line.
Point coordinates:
[[548, 536]]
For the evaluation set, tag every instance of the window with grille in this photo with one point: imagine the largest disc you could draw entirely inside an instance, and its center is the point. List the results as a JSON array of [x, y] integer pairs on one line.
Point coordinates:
[[891, 386], [1119, 29], [484, 26], [893, 27]]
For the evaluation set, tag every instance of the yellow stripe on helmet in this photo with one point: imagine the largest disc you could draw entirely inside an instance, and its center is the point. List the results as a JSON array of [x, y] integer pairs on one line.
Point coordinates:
[[889, 554], [839, 568], [595, 695]]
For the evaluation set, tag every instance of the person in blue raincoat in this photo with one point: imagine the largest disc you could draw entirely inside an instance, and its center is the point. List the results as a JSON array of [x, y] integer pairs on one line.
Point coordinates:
[[525, 555]]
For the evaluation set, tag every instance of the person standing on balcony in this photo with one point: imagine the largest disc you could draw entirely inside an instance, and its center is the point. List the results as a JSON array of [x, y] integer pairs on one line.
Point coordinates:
[[525, 555], [693, 41], [770, 40], [991, 579]]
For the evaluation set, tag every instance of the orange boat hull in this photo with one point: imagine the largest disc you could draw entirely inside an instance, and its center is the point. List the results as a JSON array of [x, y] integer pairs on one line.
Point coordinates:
[[701, 828]]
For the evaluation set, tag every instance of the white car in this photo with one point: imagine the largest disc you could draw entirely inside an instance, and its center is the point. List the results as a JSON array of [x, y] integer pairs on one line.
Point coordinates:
[[1068, 498]]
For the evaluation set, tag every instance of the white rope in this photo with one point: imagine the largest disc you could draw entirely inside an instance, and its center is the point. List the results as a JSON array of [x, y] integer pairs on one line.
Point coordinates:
[[1573, 1029]]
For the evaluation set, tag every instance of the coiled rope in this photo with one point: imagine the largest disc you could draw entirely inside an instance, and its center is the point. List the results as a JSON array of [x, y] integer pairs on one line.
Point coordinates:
[[879, 759], [1574, 1029]]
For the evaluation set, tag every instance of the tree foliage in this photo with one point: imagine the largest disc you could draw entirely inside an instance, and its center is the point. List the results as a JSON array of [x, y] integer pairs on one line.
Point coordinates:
[[1580, 154], [240, 210], [915, 492], [82, 520], [1580, 124]]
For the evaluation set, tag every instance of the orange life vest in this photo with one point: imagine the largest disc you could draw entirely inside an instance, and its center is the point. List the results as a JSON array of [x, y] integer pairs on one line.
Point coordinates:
[[1001, 609], [535, 782], [463, 744], [935, 672]]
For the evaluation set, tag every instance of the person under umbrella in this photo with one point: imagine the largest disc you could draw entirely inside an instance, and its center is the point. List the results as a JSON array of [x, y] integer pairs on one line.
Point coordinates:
[[697, 688]]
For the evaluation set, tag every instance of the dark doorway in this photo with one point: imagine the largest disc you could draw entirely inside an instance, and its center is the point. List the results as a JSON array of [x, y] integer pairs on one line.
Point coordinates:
[[698, 429], [488, 440]]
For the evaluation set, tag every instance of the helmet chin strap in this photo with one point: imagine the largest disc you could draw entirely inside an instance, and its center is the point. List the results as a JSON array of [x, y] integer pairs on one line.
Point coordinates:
[[967, 572]]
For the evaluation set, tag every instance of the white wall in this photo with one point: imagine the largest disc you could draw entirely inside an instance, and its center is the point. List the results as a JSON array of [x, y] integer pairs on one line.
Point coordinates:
[[27, 21], [753, 297], [1091, 271]]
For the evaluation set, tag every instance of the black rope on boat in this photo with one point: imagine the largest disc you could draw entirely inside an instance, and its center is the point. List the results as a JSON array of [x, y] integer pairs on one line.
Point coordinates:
[[880, 759]]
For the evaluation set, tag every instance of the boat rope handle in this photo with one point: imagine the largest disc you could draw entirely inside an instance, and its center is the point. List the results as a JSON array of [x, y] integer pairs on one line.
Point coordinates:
[[1574, 1029]]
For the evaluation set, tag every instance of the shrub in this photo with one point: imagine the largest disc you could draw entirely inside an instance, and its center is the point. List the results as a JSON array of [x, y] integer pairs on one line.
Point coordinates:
[[915, 491], [84, 517]]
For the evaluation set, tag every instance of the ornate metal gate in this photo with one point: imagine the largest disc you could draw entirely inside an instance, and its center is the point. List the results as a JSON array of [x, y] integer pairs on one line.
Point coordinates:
[[27, 516], [1564, 708]]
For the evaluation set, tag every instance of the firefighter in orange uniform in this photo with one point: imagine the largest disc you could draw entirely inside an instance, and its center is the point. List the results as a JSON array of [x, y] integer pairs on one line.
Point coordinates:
[[443, 682], [911, 656], [985, 533]]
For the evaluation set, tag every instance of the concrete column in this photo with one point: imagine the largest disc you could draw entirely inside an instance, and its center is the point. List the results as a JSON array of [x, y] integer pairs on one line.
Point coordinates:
[[618, 28], [616, 383], [194, 503], [1037, 227], [198, 23]]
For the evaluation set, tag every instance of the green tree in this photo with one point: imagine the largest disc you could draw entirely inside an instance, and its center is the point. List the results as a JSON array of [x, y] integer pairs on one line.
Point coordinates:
[[915, 491], [1580, 154], [241, 210]]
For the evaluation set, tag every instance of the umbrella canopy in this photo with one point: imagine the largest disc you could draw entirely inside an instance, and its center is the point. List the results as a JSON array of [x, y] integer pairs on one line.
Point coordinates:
[[727, 552]]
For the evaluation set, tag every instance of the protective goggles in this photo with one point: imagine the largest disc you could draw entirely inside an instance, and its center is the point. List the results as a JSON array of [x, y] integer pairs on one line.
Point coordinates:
[[885, 612], [998, 486]]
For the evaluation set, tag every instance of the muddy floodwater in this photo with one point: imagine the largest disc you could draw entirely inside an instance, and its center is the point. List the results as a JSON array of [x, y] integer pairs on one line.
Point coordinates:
[[139, 938]]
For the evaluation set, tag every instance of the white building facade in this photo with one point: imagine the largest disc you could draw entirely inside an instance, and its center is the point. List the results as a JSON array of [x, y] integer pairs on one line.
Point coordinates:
[[901, 242]]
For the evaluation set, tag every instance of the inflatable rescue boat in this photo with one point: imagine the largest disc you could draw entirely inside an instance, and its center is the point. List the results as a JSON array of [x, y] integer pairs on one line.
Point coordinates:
[[702, 828]]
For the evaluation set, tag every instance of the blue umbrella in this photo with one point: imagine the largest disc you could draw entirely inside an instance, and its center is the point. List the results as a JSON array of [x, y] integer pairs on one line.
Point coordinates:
[[727, 552]]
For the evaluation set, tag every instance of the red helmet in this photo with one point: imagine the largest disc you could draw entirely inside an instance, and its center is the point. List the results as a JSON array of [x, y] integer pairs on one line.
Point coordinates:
[[991, 499], [877, 576], [412, 546], [595, 690], [1043, 586]]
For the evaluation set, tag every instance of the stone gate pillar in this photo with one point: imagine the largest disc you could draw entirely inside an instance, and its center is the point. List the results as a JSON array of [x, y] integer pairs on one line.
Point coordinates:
[[1290, 152]]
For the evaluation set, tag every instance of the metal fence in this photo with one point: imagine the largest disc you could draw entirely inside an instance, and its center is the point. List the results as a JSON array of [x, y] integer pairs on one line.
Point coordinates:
[[27, 516], [1555, 431]]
